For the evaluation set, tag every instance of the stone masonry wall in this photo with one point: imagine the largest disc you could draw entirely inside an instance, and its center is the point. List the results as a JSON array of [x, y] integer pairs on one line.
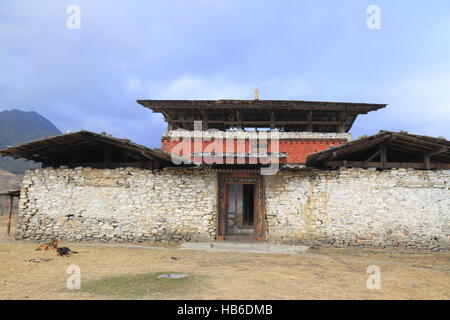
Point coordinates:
[[350, 207], [360, 207], [126, 204]]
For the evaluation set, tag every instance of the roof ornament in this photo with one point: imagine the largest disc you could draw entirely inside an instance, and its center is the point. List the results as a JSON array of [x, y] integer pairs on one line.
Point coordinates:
[[256, 94]]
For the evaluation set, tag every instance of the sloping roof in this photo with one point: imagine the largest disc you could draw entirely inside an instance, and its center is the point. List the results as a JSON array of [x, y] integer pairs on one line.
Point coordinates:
[[401, 150], [287, 115], [65, 145]]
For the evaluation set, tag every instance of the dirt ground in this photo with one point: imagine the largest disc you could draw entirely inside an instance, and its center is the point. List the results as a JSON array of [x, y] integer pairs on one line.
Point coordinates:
[[317, 274]]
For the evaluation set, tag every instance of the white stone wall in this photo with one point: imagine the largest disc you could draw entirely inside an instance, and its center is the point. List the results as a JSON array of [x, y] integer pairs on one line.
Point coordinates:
[[126, 204], [360, 207], [351, 207], [241, 134]]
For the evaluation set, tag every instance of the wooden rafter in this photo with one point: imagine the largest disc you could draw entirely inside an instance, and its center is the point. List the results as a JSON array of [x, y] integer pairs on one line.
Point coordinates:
[[286, 115], [84, 146], [394, 149]]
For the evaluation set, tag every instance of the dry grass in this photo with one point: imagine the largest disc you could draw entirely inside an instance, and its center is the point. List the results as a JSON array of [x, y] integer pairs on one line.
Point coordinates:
[[319, 274]]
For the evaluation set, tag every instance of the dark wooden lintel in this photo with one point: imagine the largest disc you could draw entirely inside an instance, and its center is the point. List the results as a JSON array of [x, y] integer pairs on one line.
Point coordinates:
[[112, 165], [267, 123]]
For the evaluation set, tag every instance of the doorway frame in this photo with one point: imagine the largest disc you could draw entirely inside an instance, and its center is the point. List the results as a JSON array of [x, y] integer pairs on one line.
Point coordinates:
[[227, 177]]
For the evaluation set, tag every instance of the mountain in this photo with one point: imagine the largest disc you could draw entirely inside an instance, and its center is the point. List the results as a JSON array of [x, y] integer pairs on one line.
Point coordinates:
[[17, 127]]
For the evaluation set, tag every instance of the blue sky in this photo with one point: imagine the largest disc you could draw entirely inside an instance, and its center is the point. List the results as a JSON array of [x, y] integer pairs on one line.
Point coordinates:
[[308, 50]]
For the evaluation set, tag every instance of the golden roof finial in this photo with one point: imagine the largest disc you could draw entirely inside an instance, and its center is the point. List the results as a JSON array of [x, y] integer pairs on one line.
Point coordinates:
[[256, 94]]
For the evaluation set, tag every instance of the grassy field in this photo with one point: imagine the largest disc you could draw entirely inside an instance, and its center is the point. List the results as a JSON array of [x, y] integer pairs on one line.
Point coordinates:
[[142, 285], [130, 271]]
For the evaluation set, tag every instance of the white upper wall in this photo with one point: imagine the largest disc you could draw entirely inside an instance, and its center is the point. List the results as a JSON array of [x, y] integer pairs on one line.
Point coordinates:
[[180, 133]]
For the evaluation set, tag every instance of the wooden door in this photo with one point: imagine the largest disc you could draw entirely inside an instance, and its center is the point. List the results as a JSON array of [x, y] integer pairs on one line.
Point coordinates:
[[232, 179]]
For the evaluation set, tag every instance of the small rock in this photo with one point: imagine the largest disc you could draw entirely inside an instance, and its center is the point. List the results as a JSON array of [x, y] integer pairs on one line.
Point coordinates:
[[173, 276]]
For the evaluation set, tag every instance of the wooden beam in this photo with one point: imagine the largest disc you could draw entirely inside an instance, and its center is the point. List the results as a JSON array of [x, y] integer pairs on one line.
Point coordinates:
[[417, 141], [11, 202], [136, 164], [124, 147], [309, 121], [342, 118], [205, 119], [266, 123], [359, 108], [439, 151], [388, 165], [272, 119], [356, 146], [383, 155], [238, 119], [411, 146], [373, 156], [427, 161], [107, 156], [168, 118], [58, 150]]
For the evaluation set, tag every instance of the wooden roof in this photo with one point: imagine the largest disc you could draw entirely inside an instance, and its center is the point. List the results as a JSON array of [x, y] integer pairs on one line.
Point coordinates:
[[286, 115], [83, 147], [387, 149]]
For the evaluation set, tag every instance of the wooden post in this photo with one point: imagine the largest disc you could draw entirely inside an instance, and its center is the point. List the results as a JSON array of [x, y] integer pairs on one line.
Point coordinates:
[[309, 126], [205, 120], [272, 119], [345, 163], [10, 213], [342, 117], [107, 154], [238, 119], [383, 155], [427, 161]]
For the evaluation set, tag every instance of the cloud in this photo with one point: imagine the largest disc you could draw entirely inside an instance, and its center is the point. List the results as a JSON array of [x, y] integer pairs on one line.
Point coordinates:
[[419, 105], [308, 50]]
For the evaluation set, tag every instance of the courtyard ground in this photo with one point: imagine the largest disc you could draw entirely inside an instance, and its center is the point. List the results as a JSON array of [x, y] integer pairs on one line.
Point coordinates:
[[108, 269]]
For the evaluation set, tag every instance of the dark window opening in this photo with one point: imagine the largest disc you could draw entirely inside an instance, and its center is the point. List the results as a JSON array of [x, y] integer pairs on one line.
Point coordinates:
[[240, 212], [249, 192]]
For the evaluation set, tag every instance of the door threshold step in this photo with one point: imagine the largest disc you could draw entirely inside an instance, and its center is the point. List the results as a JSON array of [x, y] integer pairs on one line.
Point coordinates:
[[240, 238], [244, 247]]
